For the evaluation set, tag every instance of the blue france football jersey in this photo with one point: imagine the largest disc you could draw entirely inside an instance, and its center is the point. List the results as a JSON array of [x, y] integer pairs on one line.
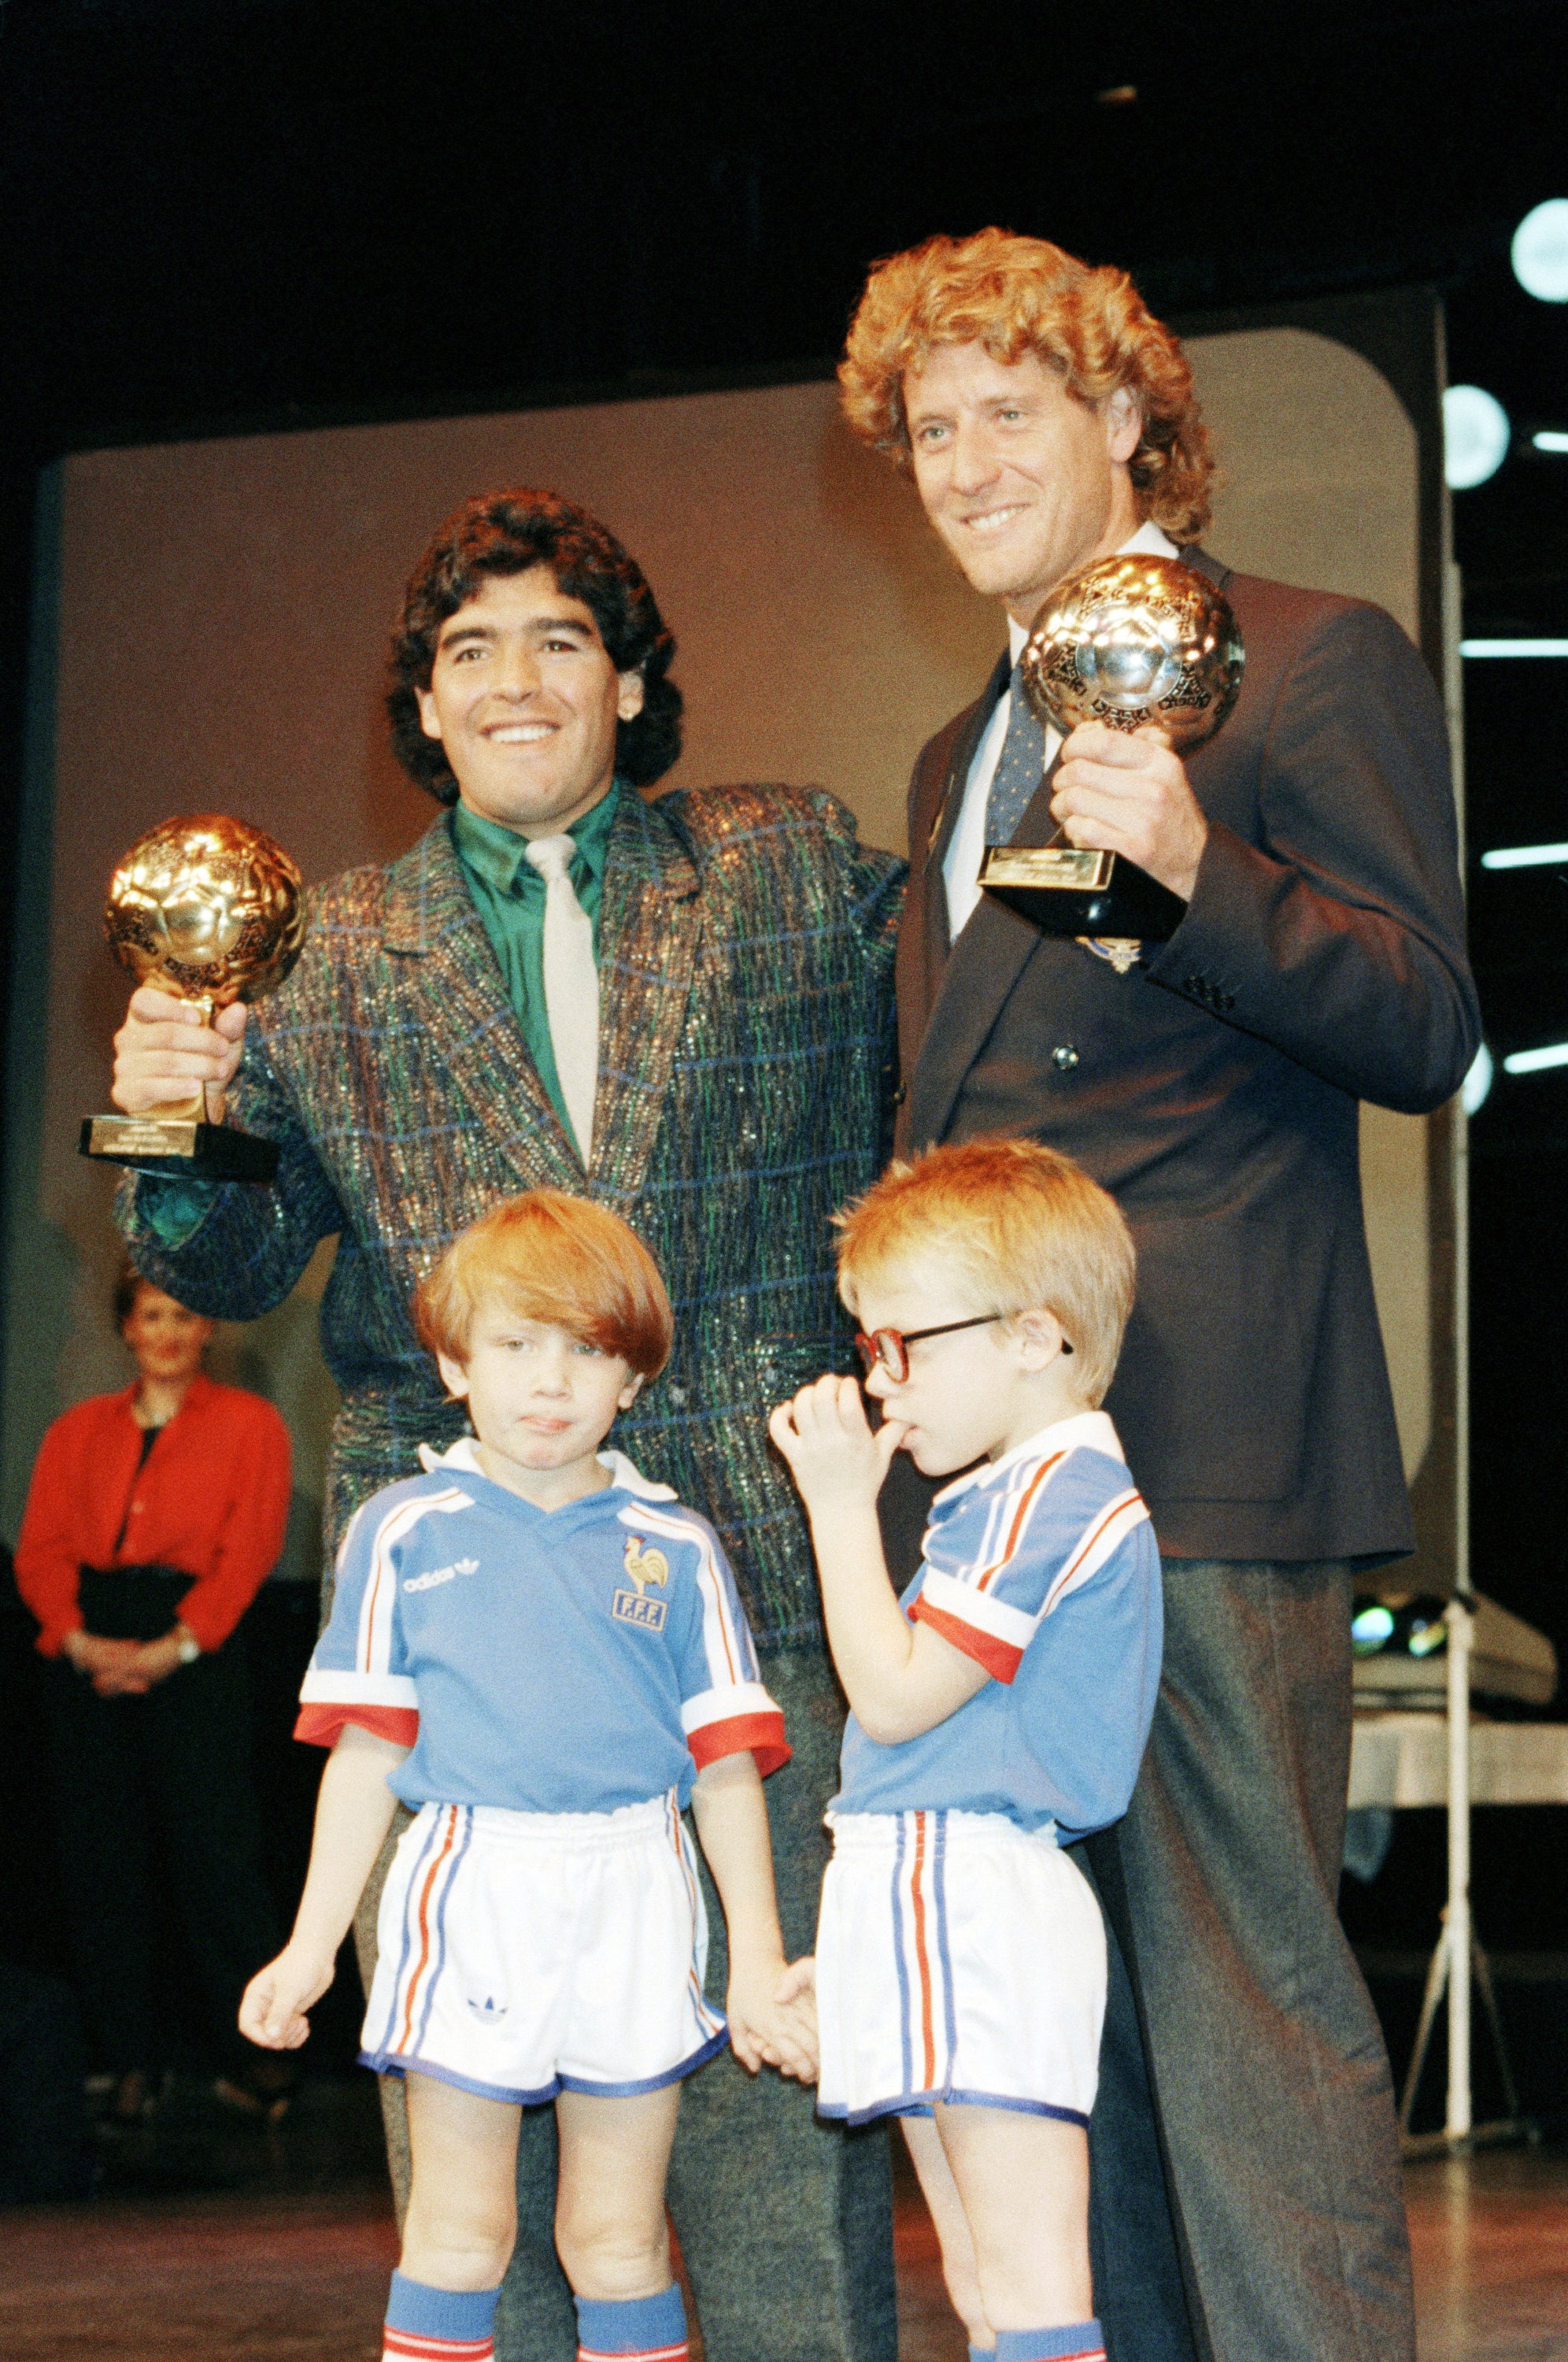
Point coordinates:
[[1043, 1568], [561, 1661]]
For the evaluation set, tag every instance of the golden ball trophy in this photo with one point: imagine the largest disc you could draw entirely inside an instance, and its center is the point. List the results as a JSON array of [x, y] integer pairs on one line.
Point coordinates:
[[1130, 640], [210, 910]]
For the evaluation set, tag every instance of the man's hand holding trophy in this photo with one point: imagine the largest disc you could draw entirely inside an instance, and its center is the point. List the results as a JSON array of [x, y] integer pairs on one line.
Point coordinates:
[[206, 914], [1139, 644]]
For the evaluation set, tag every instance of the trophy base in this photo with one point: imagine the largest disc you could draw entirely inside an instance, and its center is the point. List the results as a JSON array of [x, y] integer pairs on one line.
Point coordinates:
[[1067, 889], [179, 1149]]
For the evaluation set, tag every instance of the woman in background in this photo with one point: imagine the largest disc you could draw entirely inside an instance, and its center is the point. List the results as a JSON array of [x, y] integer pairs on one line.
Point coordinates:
[[153, 1517]]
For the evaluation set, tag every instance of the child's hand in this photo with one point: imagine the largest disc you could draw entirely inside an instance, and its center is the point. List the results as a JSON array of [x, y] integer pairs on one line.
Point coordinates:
[[832, 1454], [796, 1995], [769, 2031], [272, 2009]]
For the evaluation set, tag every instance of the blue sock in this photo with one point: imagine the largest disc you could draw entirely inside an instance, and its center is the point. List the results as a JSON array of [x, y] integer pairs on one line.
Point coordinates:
[[982, 2354], [1079, 2341], [650, 2328], [433, 2325]]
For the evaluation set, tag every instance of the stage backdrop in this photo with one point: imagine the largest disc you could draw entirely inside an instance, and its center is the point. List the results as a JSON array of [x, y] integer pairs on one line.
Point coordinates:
[[213, 620]]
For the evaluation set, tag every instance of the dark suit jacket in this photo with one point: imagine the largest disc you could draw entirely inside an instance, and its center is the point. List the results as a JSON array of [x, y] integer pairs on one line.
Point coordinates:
[[1214, 1091]]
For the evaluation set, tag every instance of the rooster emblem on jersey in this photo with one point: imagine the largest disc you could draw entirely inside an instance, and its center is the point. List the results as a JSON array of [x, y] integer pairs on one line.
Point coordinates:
[[644, 1565]]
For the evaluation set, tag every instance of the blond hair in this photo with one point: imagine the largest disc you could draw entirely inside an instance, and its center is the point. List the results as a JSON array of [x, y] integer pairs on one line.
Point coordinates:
[[1017, 295], [1022, 1227], [548, 1256]]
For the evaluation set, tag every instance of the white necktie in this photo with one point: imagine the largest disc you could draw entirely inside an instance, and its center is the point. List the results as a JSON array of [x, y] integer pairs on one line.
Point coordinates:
[[572, 987]]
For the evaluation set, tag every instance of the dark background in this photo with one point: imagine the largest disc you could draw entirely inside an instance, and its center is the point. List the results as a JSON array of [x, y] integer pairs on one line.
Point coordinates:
[[224, 215]]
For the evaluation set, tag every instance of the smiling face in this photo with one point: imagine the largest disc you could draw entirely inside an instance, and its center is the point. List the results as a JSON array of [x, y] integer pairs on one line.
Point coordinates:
[[541, 1401], [525, 701], [1022, 479], [971, 1394], [166, 1341]]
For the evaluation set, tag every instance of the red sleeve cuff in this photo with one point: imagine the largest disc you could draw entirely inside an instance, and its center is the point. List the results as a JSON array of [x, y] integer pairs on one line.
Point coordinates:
[[761, 1734], [998, 1658], [321, 1726]]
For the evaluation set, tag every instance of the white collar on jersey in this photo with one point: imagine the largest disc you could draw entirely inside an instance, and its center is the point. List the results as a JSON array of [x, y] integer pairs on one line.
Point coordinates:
[[1087, 1430], [463, 1456]]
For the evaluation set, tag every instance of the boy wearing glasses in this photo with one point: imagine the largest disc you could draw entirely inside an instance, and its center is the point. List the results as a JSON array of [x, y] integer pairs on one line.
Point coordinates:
[[999, 1708]]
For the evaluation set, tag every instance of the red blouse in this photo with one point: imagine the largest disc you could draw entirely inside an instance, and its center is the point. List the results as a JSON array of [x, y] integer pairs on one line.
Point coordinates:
[[212, 1500]]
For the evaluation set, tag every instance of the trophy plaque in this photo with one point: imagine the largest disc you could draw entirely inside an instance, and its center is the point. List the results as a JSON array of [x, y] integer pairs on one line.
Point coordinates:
[[209, 910], [1131, 641]]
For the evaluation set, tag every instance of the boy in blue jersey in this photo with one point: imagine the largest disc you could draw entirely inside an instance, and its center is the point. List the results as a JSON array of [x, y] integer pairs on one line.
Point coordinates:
[[999, 1708], [546, 1657]]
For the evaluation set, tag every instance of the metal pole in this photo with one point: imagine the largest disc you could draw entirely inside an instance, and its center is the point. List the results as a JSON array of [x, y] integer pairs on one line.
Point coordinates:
[[1460, 1629]]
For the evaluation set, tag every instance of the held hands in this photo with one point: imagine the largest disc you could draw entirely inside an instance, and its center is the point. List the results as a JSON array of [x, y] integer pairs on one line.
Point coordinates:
[[834, 1456], [113, 1667], [773, 2016], [124, 1668], [163, 1052], [272, 2010], [1129, 794]]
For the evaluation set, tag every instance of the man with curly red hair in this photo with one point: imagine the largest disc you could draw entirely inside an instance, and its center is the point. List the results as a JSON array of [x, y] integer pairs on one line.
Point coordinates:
[[1211, 1084]]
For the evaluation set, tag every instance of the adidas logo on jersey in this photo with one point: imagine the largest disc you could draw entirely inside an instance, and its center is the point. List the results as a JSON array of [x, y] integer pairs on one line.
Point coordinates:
[[441, 1574]]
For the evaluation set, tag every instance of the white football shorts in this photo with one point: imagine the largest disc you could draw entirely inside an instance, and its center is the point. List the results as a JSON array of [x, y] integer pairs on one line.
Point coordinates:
[[959, 1958], [522, 1954]]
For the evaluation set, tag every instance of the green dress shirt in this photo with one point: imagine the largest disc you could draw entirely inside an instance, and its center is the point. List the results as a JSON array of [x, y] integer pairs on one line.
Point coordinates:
[[509, 895]]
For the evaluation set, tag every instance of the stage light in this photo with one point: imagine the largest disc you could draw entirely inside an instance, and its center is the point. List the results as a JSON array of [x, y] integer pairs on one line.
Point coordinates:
[[1513, 648], [1536, 1062], [1477, 1083], [1540, 251], [1524, 857], [1398, 1625], [1475, 435], [1372, 1628], [1549, 438]]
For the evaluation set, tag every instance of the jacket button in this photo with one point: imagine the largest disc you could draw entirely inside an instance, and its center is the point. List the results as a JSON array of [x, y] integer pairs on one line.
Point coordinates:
[[1063, 1057], [1224, 1000], [901, 1095]]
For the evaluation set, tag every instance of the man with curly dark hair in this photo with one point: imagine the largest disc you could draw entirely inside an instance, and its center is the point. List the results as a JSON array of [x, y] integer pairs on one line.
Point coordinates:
[[424, 1060], [1210, 1083]]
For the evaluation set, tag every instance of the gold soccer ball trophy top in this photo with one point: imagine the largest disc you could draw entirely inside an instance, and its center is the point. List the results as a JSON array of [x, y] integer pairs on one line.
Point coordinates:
[[209, 910]]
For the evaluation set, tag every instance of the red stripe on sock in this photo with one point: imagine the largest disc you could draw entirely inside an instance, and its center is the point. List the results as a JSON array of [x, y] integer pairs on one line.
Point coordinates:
[[680, 2353], [411, 2345]]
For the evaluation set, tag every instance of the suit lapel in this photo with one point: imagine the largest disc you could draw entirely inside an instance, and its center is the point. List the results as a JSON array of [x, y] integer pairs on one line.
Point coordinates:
[[970, 981], [455, 990], [650, 924], [971, 730], [923, 939]]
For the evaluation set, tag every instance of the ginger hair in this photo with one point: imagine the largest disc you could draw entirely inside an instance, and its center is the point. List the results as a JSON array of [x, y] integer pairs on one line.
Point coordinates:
[[548, 1256], [1021, 1228], [1017, 295]]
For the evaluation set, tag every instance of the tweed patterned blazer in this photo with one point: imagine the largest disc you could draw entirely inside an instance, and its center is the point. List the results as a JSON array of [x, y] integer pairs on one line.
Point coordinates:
[[745, 1059]]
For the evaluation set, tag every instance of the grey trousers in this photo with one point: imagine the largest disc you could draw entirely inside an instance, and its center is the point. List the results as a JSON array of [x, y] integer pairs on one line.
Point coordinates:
[[785, 2223], [1270, 2082]]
